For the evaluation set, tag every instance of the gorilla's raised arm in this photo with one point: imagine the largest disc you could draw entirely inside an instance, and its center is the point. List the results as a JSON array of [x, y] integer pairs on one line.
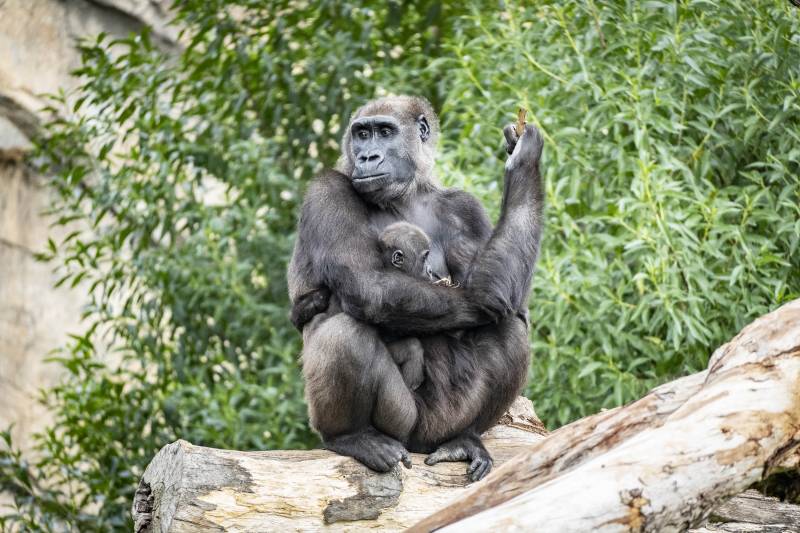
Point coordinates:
[[338, 246], [500, 275]]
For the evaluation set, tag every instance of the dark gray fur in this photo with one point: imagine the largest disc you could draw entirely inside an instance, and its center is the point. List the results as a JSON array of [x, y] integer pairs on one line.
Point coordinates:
[[346, 300]]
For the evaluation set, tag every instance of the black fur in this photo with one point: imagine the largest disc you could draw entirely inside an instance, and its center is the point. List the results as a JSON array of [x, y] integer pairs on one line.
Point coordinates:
[[475, 344]]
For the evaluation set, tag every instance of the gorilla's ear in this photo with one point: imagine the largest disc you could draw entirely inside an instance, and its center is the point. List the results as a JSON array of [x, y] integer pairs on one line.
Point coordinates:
[[424, 128], [397, 258]]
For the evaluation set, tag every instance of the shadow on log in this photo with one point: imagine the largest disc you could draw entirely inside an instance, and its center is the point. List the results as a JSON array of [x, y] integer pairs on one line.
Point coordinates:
[[662, 463]]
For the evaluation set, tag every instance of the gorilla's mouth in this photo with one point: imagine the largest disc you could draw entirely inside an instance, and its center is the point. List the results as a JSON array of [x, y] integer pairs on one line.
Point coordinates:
[[370, 177]]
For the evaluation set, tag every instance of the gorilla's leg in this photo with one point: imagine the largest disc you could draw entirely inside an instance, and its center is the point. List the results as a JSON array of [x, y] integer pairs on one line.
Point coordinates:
[[356, 396], [484, 370], [465, 447], [408, 354]]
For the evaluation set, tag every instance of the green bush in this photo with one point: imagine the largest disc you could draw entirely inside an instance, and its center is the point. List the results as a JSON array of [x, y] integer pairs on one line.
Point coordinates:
[[673, 174], [671, 163]]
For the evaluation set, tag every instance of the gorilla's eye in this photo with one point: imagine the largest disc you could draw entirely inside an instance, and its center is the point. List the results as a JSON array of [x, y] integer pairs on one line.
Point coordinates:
[[397, 258], [362, 134], [385, 132], [425, 254]]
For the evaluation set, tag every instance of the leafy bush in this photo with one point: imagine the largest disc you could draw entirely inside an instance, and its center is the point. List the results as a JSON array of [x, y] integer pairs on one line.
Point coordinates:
[[672, 173], [672, 164]]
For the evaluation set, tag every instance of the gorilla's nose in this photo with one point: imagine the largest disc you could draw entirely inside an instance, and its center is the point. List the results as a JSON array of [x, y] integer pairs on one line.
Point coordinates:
[[370, 160]]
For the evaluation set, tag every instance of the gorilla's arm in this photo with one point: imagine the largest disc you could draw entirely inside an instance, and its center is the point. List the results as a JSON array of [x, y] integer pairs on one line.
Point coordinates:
[[500, 275], [334, 231]]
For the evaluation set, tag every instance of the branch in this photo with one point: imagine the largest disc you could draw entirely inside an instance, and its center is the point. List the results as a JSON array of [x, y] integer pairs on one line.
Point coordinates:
[[663, 462]]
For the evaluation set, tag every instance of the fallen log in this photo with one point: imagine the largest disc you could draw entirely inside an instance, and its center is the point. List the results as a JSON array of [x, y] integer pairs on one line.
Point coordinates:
[[750, 511], [193, 488], [659, 464]]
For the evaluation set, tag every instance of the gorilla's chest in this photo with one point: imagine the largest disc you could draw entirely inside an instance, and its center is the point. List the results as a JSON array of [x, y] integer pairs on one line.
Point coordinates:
[[430, 220]]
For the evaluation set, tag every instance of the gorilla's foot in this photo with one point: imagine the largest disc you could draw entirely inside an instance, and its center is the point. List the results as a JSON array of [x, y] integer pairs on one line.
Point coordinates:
[[369, 446], [466, 447]]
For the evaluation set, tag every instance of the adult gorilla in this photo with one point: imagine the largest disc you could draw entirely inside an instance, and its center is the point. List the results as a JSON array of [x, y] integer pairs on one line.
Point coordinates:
[[474, 336]]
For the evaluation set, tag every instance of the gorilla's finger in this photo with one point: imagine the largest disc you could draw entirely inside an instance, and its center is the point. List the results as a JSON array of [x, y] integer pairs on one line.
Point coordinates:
[[406, 459], [533, 139], [510, 133], [474, 465], [483, 468], [434, 458], [379, 464]]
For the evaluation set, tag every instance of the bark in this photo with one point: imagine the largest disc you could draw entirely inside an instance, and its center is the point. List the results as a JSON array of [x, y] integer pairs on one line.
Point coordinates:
[[663, 462], [751, 510], [193, 488]]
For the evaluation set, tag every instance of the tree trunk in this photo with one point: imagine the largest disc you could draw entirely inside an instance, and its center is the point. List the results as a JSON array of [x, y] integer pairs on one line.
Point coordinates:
[[193, 488], [659, 464]]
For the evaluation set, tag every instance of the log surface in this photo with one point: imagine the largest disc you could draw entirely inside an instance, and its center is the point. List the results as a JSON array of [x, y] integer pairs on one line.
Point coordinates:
[[194, 488], [754, 508]]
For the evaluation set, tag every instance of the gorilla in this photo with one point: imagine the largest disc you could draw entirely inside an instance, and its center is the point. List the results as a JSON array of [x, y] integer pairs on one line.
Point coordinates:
[[346, 300]]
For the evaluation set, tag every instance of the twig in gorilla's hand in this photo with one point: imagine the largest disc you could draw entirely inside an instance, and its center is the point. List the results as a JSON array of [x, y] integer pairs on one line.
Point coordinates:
[[521, 114]]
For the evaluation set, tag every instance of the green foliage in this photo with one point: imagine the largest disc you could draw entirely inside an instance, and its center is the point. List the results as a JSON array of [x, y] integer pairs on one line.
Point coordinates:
[[673, 176], [671, 163]]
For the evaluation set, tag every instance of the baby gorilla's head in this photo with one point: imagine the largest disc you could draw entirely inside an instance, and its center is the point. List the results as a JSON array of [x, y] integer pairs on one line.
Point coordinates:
[[405, 246], [408, 247]]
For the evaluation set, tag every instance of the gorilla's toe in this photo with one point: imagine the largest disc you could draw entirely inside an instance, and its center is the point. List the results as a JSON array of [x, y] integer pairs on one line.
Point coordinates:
[[479, 467], [447, 453]]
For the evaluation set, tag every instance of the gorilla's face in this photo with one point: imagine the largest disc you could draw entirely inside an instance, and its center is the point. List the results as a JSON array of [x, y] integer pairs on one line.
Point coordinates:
[[384, 157]]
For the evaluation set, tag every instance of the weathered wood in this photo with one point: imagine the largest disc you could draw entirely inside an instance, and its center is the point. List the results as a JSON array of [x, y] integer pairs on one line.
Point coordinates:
[[752, 511], [752, 507], [659, 464], [193, 488]]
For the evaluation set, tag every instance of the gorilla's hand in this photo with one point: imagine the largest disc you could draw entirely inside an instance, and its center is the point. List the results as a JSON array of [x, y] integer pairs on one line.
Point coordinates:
[[524, 151], [510, 133], [308, 306]]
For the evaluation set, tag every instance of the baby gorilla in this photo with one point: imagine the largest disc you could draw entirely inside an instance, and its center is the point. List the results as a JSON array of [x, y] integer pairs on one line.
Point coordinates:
[[408, 247]]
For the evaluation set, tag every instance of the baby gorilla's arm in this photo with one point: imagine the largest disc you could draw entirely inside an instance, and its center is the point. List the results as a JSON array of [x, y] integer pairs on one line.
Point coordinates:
[[408, 354]]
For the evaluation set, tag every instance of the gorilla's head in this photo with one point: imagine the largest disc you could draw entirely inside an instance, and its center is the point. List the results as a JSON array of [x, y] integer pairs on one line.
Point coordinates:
[[389, 147]]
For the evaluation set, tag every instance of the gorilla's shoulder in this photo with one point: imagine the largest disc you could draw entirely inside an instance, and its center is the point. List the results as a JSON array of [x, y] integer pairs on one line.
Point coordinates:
[[467, 209], [330, 186], [331, 202], [330, 180]]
